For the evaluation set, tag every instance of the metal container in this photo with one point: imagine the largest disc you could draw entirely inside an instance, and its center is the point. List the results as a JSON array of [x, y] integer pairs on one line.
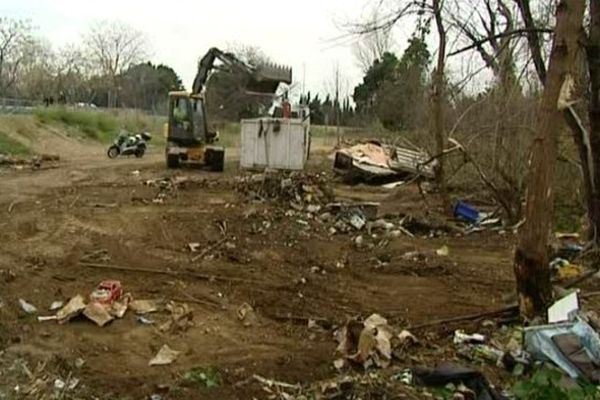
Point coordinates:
[[275, 143]]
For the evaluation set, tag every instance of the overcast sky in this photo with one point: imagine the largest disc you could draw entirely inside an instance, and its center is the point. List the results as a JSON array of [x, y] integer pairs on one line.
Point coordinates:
[[293, 33]]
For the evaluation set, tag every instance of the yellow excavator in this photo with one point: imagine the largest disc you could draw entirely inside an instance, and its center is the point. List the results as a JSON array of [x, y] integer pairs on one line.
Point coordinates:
[[188, 136]]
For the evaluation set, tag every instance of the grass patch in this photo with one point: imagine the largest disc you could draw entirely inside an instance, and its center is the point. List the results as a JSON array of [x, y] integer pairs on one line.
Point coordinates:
[[102, 125], [94, 125], [9, 145], [207, 377]]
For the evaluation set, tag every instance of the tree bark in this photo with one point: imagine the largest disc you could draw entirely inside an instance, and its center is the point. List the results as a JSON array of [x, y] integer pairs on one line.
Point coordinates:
[[531, 256], [590, 156], [437, 99]]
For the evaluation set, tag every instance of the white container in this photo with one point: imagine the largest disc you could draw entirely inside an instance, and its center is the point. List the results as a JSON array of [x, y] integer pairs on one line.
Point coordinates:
[[275, 143]]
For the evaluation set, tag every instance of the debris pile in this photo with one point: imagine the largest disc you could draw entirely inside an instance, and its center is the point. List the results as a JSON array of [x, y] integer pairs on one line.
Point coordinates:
[[108, 302], [373, 160], [166, 187], [35, 162], [367, 343], [169, 186], [300, 189]]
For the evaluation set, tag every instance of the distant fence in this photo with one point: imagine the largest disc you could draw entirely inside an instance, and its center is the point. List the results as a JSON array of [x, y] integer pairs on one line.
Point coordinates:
[[10, 105], [13, 106]]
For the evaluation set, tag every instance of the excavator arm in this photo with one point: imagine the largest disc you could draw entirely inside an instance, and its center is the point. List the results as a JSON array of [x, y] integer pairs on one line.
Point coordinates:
[[261, 79]]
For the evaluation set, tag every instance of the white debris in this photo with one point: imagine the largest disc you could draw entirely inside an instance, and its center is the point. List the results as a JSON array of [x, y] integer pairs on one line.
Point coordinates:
[[27, 307], [165, 356]]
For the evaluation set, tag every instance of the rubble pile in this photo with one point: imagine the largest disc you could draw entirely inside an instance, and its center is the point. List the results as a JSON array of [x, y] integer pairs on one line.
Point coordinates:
[[372, 160], [299, 188], [35, 162]]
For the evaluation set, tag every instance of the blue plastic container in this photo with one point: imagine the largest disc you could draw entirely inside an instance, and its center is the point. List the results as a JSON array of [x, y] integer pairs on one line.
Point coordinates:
[[466, 211]]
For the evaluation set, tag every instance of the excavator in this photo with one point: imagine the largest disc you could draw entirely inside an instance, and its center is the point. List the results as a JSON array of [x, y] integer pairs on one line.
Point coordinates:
[[188, 136]]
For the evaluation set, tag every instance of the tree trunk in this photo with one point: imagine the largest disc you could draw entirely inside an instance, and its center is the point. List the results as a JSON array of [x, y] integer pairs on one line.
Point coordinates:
[[591, 159], [437, 100], [587, 152], [531, 256]]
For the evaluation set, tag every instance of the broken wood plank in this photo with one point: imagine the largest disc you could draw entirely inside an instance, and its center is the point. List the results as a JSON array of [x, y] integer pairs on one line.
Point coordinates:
[[271, 383]]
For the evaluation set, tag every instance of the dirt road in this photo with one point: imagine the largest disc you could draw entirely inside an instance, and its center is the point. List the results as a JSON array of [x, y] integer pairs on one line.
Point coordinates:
[[278, 260]]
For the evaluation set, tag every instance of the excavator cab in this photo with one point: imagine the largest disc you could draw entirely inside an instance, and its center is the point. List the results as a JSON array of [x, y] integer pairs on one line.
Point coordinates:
[[188, 136], [187, 121]]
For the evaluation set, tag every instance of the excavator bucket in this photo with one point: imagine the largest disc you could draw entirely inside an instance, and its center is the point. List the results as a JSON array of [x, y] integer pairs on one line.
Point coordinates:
[[266, 78]]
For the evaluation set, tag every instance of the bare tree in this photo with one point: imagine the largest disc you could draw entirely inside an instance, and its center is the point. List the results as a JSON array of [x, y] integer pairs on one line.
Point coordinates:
[[371, 46], [114, 47], [36, 76], [489, 28], [438, 96], [15, 41], [531, 256], [338, 86]]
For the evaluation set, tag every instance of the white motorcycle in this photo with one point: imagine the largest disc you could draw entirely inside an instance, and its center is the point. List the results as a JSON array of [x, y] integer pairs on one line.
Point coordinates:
[[126, 145]]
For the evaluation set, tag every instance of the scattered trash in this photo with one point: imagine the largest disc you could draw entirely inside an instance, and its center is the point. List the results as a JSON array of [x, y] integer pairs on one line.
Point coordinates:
[[62, 386], [27, 307], [194, 247], [393, 185], [247, 315], [135, 173], [460, 337], [357, 220], [367, 343], [405, 340], [107, 292], [564, 309], [443, 251], [359, 241], [564, 270], [313, 208], [59, 384], [98, 313], [56, 305], [450, 373], [118, 308], [573, 346], [165, 356], [568, 236], [181, 318], [380, 224], [142, 307], [48, 318], [144, 320], [73, 308], [467, 212]]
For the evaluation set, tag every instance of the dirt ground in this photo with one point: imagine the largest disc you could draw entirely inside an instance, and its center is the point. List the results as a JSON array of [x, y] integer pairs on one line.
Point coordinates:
[[282, 262]]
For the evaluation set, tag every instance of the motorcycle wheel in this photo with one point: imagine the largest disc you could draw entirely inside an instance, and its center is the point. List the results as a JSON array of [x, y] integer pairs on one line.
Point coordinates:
[[139, 152], [113, 152]]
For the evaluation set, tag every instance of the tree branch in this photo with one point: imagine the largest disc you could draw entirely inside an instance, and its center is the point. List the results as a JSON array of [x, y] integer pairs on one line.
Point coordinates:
[[516, 32]]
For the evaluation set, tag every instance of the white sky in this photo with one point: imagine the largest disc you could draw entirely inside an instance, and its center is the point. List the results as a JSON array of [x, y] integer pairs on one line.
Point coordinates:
[[292, 33]]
